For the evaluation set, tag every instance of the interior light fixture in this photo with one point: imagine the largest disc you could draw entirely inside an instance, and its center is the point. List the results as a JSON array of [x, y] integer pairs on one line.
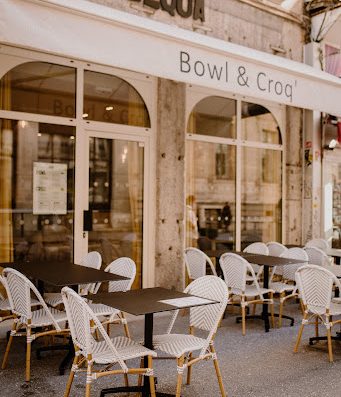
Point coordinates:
[[109, 108], [39, 134], [85, 115], [332, 144]]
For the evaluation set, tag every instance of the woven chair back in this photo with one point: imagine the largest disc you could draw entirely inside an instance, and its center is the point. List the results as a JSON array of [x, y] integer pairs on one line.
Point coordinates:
[[290, 270], [257, 248], [123, 267], [81, 318], [320, 243], [315, 285], [317, 256], [196, 261], [207, 317], [276, 249], [92, 259]]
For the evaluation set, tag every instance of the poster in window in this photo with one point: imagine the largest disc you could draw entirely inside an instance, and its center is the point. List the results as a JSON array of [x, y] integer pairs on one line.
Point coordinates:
[[49, 188]]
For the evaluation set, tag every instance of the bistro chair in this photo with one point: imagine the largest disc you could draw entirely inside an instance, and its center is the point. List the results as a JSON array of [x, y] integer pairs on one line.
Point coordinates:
[[320, 243], [196, 261], [276, 249], [256, 248], [315, 284], [235, 270], [317, 256], [28, 323], [92, 259], [123, 267], [286, 288], [107, 351], [203, 318]]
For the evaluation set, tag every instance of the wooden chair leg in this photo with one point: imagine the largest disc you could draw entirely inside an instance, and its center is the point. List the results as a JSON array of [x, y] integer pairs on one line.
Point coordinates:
[[139, 380], [151, 378], [179, 381], [71, 376], [281, 304], [88, 380], [28, 354], [125, 325], [254, 309], [189, 370], [108, 329], [243, 320], [126, 380], [299, 336], [317, 327], [217, 370], [330, 348], [8, 347], [272, 311]]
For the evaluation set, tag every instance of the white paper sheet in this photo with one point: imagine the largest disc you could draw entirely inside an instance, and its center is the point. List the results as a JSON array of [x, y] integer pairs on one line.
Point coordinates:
[[187, 301]]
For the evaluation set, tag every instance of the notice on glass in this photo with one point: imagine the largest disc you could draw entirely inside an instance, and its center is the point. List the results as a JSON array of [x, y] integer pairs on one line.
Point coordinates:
[[49, 188], [187, 301]]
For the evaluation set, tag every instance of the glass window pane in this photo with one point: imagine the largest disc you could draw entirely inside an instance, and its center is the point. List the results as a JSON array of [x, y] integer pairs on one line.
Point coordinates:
[[116, 199], [261, 196], [259, 125], [210, 196], [40, 87], [214, 116], [36, 191], [110, 99]]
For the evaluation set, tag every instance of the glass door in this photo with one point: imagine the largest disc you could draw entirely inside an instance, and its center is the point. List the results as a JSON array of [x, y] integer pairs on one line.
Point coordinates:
[[116, 189]]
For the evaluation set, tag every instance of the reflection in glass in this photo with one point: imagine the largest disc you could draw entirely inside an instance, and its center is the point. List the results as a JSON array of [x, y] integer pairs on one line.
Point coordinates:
[[210, 196], [116, 199], [261, 196], [39, 87], [27, 233], [214, 116], [110, 99], [259, 125]]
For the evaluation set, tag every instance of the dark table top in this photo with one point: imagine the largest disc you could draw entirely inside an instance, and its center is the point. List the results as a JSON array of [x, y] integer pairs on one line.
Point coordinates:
[[143, 301], [258, 259], [60, 274]]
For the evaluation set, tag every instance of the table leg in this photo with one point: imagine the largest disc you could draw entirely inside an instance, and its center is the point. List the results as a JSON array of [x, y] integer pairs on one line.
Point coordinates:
[[265, 312]]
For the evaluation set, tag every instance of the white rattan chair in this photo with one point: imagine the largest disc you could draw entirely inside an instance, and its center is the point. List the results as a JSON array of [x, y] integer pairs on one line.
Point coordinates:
[[196, 261], [107, 352], [287, 284], [45, 320], [320, 243], [204, 318], [315, 284], [123, 267], [317, 256], [275, 248], [256, 248], [92, 259], [235, 269]]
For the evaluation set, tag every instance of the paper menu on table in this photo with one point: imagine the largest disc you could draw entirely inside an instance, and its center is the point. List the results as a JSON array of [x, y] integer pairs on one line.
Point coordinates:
[[187, 301]]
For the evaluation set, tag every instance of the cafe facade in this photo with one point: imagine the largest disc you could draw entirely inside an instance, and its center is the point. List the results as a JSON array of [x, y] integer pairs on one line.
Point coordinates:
[[136, 128]]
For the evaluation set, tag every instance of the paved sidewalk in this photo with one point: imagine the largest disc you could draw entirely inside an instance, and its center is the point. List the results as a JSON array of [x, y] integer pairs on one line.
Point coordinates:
[[258, 365]]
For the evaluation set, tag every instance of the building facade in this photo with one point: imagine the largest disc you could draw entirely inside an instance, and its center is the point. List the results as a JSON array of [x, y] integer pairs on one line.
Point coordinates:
[[137, 128]]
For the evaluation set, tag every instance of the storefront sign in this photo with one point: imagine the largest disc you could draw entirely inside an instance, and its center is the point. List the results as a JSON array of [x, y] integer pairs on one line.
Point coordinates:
[[49, 188], [184, 8], [225, 72]]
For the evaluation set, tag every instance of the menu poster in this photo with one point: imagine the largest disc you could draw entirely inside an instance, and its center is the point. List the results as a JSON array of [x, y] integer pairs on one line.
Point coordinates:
[[49, 188]]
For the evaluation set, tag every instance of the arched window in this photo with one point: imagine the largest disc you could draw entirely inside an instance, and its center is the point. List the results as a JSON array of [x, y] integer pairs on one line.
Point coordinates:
[[111, 99], [41, 88]]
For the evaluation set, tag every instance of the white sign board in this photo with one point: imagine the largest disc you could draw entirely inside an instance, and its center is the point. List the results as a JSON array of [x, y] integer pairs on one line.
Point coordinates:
[[49, 188]]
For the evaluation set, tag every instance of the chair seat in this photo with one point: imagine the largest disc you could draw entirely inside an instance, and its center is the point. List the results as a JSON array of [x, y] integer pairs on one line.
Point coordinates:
[[334, 310], [251, 290], [279, 287], [177, 344], [126, 349], [53, 298], [103, 310], [5, 305], [41, 319]]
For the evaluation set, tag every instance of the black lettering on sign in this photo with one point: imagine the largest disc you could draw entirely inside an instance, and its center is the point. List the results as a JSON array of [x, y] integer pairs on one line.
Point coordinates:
[[185, 67], [180, 8], [199, 10], [152, 3], [169, 6]]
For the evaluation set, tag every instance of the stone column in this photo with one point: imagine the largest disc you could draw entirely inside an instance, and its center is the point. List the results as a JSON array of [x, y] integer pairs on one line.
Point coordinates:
[[170, 185]]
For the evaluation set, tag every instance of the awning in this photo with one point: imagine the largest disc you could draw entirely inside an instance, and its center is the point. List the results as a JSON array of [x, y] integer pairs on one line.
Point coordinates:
[[88, 31]]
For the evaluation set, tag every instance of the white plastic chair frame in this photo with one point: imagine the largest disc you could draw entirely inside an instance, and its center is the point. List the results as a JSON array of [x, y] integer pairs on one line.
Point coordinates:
[[320, 243], [235, 270], [108, 351], [288, 284], [256, 248], [315, 284], [19, 289], [205, 318], [125, 267], [196, 261]]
